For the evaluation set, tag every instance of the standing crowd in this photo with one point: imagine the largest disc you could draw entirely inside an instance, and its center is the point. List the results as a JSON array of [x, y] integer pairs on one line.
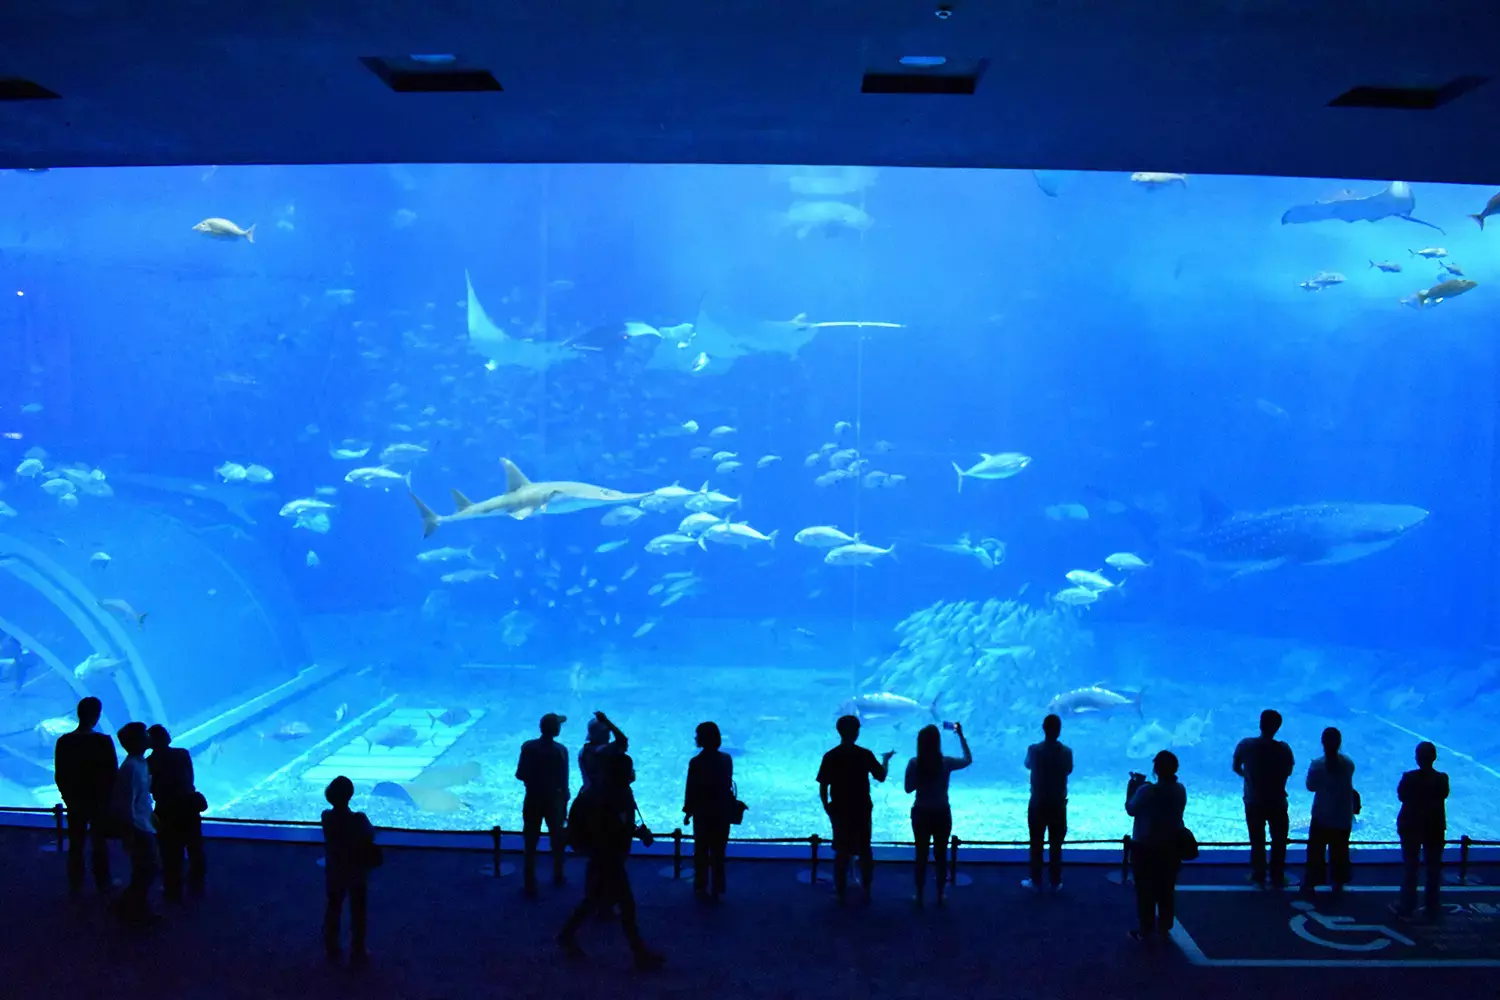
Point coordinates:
[[150, 804]]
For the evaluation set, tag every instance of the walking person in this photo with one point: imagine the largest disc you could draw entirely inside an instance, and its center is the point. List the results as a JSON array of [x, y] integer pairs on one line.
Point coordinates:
[[1331, 780], [707, 803], [1050, 762], [1422, 825], [1265, 763], [1155, 845], [132, 814], [349, 855], [543, 768], [179, 815], [84, 763], [604, 825], [931, 816], [844, 786]]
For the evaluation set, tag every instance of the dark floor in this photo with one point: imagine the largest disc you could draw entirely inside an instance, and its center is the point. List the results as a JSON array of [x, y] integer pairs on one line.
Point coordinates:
[[442, 931]]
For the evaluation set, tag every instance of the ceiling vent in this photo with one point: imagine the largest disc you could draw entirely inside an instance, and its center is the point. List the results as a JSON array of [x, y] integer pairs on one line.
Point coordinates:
[[1406, 98], [924, 75], [15, 89], [429, 74]]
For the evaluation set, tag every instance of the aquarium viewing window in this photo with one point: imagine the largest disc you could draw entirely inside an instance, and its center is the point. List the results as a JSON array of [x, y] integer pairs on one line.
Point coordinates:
[[363, 470]]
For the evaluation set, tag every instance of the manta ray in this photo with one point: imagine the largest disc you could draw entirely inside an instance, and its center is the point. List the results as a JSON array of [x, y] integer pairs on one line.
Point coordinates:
[[522, 498], [1395, 202], [233, 498], [504, 351]]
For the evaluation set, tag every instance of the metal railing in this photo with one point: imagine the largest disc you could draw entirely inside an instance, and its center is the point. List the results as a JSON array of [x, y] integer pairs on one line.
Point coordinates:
[[11, 816]]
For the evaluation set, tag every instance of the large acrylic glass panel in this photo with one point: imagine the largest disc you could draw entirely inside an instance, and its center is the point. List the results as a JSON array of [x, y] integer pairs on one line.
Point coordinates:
[[1214, 402]]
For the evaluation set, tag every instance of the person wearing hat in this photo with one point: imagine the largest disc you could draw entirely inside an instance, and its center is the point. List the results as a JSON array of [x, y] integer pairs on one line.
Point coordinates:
[[543, 768]]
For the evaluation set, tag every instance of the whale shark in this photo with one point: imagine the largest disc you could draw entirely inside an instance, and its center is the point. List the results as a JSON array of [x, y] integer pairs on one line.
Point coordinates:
[[504, 351], [523, 498], [1316, 534], [1395, 202]]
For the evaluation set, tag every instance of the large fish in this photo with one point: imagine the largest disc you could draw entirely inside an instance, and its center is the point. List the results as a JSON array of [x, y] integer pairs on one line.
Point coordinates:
[[1316, 534], [522, 498], [1395, 202]]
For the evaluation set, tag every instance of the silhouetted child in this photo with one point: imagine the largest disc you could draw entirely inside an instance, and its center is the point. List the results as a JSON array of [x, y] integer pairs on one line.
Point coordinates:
[[85, 766], [707, 803], [1422, 825], [349, 853], [931, 816], [844, 786], [543, 768], [179, 814], [1331, 780], [132, 814], [1050, 762], [1266, 763]]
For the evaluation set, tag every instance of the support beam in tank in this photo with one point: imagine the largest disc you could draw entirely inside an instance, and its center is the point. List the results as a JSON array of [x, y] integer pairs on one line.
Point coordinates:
[[35, 569], [226, 722], [54, 663]]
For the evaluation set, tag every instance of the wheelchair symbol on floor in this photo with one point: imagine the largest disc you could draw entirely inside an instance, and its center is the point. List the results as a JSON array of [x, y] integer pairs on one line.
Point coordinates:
[[1308, 923]]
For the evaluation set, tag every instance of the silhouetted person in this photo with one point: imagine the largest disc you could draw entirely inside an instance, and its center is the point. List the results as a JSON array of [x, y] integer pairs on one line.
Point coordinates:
[[1050, 762], [603, 740], [85, 765], [931, 816], [132, 811], [349, 852], [707, 804], [844, 786], [543, 768], [1266, 763], [607, 816], [1154, 844], [179, 814], [1331, 780], [1422, 825]]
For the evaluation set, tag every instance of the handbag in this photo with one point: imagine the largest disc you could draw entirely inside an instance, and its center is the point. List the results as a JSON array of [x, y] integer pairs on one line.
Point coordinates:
[[1187, 845], [736, 807]]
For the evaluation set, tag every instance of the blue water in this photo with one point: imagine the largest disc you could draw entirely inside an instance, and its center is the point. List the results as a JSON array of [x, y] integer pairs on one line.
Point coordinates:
[[1143, 347]]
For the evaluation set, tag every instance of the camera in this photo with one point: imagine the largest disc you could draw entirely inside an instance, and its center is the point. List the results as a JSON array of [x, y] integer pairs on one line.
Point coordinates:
[[1137, 776], [644, 835]]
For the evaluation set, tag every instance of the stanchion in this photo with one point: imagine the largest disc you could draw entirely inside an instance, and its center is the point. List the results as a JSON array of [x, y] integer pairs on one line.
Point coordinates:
[[811, 875], [56, 847], [954, 878], [1465, 843], [674, 870], [1122, 877], [495, 867]]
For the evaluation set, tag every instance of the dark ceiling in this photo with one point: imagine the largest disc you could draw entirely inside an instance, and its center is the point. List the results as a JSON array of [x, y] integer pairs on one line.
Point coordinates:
[[1201, 86]]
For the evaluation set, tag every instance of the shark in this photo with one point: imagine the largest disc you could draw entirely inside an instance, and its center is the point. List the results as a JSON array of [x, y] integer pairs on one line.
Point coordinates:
[[1395, 202], [523, 498], [504, 351], [1315, 534]]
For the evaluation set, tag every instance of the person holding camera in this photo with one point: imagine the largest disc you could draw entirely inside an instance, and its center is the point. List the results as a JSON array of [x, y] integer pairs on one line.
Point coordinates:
[[844, 786], [1155, 844], [603, 826], [931, 817]]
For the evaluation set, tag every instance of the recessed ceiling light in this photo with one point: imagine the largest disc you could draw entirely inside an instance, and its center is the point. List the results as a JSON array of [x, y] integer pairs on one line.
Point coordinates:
[[435, 59], [923, 62]]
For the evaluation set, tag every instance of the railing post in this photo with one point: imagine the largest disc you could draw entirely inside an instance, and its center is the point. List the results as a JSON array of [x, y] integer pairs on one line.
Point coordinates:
[[953, 861], [814, 841], [1125, 860], [57, 820], [677, 853], [1463, 858], [495, 841]]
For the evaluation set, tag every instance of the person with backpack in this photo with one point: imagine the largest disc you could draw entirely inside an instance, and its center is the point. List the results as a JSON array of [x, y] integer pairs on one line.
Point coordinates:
[[1265, 763], [349, 854], [1156, 844]]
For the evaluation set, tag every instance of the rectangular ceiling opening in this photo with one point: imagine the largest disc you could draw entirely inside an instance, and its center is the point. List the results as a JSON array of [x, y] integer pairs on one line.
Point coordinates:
[[13, 88], [1406, 98], [431, 75], [919, 83]]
